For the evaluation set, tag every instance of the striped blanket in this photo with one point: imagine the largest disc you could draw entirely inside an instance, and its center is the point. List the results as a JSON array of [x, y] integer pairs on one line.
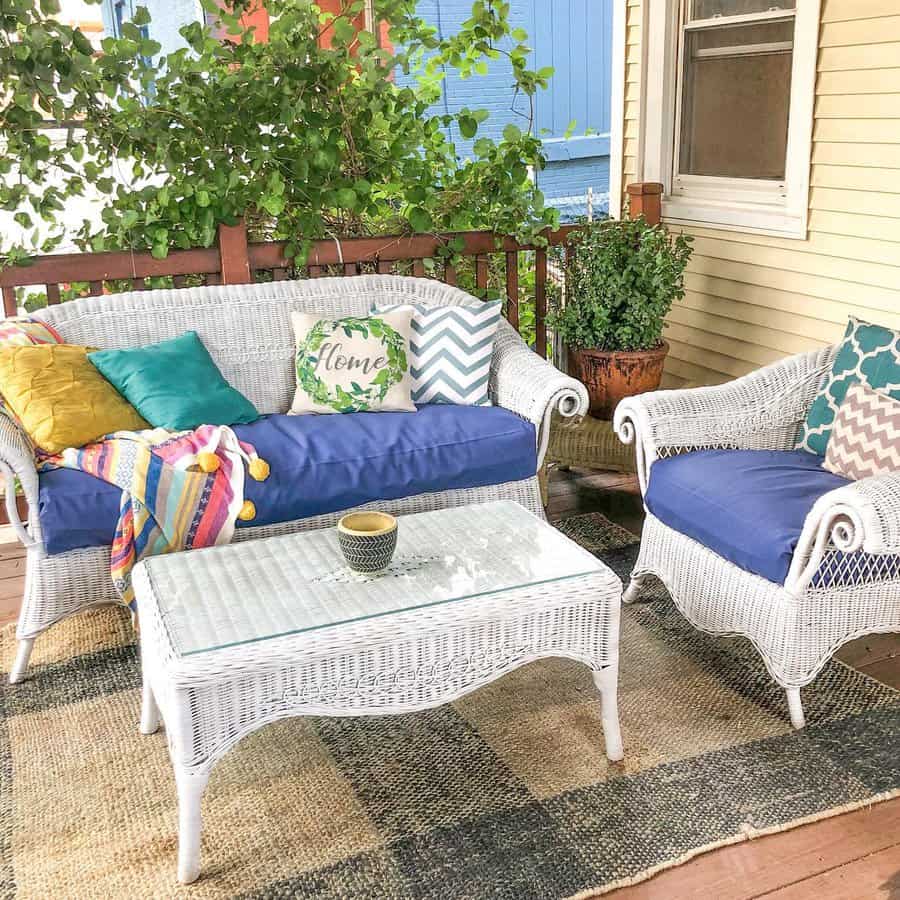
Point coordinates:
[[179, 490]]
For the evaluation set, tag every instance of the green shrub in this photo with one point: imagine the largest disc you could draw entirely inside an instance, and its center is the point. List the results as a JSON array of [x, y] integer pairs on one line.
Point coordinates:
[[305, 136], [621, 282]]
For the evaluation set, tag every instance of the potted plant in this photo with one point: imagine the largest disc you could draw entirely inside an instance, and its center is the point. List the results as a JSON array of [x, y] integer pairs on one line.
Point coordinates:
[[621, 280]]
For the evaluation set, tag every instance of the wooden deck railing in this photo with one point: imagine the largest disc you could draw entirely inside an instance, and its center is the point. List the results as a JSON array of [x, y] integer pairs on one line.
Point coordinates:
[[236, 261]]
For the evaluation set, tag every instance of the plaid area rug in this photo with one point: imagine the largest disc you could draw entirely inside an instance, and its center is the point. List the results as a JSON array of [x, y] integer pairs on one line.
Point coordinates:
[[503, 794]]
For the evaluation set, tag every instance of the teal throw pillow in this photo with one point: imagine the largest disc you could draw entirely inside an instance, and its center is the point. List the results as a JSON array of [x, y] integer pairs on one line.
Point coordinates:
[[869, 354], [175, 384]]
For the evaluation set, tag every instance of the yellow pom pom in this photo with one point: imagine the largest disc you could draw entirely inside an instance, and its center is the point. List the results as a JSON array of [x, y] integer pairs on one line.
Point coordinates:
[[208, 462], [248, 511], [259, 469]]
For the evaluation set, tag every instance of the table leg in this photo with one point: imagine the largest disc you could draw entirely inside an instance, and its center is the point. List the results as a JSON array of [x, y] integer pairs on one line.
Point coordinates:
[[607, 681], [191, 784], [149, 710]]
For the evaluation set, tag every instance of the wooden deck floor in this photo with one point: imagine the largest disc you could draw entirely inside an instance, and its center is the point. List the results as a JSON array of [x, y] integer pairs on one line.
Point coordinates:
[[855, 856]]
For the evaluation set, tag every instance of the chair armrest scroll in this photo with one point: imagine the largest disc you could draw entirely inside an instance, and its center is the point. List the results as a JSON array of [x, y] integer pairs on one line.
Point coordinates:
[[868, 514], [861, 517], [526, 384], [17, 462]]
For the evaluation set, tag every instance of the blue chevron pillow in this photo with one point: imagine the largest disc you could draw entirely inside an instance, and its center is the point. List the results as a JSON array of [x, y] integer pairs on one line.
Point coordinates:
[[450, 352]]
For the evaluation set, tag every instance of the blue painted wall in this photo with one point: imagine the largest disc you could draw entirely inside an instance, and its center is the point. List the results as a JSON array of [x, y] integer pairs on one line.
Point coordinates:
[[167, 17], [575, 38]]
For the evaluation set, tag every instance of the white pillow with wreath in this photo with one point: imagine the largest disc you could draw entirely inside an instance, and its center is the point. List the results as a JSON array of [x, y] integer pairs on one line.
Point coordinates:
[[353, 364]]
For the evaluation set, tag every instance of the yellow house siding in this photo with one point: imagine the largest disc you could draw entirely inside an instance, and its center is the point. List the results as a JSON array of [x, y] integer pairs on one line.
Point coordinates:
[[752, 299], [633, 25]]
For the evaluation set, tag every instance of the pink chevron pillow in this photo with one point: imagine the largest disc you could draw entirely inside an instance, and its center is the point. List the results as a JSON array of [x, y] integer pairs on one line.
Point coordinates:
[[865, 438]]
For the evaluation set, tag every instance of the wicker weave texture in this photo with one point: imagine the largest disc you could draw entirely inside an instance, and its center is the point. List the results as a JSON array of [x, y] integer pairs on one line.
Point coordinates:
[[423, 656], [844, 579], [247, 330], [796, 635]]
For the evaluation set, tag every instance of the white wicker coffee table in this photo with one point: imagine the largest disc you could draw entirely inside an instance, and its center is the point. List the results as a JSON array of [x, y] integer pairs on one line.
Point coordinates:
[[236, 637]]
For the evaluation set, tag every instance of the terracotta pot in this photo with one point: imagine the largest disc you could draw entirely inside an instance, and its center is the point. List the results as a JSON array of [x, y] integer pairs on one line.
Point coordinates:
[[610, 375]]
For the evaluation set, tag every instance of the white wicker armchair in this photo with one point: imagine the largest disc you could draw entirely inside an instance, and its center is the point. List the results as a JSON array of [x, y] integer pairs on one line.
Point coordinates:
[[851, 533], [247, 330]]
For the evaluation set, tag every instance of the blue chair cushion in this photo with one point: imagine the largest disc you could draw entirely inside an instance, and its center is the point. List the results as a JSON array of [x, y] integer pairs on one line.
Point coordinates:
[[322, 464], [747, 506]]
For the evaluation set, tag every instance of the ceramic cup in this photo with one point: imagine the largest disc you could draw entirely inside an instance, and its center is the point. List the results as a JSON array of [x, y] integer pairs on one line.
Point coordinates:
[[367, 540]]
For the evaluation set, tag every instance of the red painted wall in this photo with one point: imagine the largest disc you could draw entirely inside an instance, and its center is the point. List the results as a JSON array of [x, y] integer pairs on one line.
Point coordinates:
[[259, 18]]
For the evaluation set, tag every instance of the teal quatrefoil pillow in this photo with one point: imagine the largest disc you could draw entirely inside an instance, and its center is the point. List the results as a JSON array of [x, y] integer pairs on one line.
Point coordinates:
[[175, 384], [869, 354]]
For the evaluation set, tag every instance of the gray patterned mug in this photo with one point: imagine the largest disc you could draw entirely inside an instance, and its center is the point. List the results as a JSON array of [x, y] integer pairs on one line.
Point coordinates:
[[367, 540]]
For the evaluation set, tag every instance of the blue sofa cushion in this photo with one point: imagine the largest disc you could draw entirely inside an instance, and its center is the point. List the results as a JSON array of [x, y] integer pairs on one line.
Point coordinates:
[[323, 464], [747, 506]]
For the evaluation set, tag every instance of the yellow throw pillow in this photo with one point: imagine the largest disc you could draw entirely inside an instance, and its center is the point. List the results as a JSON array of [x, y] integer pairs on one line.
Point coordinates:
[[60, 398]]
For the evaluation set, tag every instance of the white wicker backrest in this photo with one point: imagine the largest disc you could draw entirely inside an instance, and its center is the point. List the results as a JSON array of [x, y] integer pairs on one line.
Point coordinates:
[[246, 328]]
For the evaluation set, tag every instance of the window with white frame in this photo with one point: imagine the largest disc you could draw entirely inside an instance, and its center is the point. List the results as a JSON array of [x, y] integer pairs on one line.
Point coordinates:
[[728, 113]]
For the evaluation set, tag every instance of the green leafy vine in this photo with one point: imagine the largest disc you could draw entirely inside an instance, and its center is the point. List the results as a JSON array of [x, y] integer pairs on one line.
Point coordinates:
[[306, 135]]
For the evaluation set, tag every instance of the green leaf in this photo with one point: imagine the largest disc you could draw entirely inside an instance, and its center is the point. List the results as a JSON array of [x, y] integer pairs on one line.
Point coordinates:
[[346, 198], [468, 127], [274, 204], [344, 30], [420, 219], [81, 43], [416, 194], [511, 133]]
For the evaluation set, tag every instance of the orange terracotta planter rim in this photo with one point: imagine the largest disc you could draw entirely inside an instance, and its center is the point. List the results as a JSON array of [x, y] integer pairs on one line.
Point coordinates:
[[659, 350]]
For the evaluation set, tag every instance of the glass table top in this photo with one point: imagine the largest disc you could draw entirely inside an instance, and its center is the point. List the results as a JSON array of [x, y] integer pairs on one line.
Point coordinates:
[[261, 589]]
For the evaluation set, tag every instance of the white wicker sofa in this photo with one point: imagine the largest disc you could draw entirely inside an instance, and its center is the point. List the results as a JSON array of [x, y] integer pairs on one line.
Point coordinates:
[[247, 330], [843, 579]]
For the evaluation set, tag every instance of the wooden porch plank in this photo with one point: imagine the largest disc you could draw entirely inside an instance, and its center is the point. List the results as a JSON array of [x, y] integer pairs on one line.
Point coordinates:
[[269, 255], [870, 649], [110, 266], [874, 876], [233, 256], [9, 301], [512, 289], [540, 302], [753, 868], [481, 272], [887, 671]]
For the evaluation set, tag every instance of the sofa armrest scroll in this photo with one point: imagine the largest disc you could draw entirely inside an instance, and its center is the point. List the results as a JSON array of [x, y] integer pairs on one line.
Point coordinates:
[[17, 462], [531, 387], [759, 411]]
